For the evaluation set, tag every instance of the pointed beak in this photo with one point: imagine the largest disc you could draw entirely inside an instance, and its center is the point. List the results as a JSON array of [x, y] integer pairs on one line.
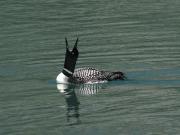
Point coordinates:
[[75, 46], [67, 47]]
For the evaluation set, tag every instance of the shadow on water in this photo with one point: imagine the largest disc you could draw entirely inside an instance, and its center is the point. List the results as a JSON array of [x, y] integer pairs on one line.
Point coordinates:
[[158, 77], [72, 101], [71, 93]]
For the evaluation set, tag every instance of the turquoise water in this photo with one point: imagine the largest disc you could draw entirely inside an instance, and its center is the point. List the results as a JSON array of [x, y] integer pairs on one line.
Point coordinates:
[[140, 38]]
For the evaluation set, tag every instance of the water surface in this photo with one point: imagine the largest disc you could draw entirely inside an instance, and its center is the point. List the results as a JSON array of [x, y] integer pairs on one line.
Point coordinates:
[[140, 38]]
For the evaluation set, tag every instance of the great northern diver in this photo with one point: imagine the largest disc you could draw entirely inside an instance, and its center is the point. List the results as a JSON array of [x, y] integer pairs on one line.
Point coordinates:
[[83, 75]]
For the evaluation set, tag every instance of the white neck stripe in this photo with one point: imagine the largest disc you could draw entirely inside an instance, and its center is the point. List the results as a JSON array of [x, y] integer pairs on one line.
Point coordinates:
[[68, 71]]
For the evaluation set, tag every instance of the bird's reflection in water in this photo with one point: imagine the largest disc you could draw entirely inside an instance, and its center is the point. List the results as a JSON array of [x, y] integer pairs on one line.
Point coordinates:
[[90, 89], [71, 101], [70, 93]]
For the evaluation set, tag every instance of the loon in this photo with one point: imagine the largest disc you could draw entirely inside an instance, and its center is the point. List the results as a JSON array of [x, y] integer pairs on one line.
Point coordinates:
[[83, 75]]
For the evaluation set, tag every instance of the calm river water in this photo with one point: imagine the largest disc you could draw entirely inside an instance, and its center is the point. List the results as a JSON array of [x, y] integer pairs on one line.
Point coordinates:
[[140, 38]]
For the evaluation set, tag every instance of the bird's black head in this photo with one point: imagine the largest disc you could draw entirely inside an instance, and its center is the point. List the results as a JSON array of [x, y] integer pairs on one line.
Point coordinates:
[[71, 56]]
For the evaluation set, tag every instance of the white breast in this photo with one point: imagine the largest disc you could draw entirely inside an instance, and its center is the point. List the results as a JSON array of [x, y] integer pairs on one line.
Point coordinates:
[[61, 78]]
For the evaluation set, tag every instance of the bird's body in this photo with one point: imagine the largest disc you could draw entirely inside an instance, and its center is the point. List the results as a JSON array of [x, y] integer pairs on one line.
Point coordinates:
[[86, 74], [91, 75]]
